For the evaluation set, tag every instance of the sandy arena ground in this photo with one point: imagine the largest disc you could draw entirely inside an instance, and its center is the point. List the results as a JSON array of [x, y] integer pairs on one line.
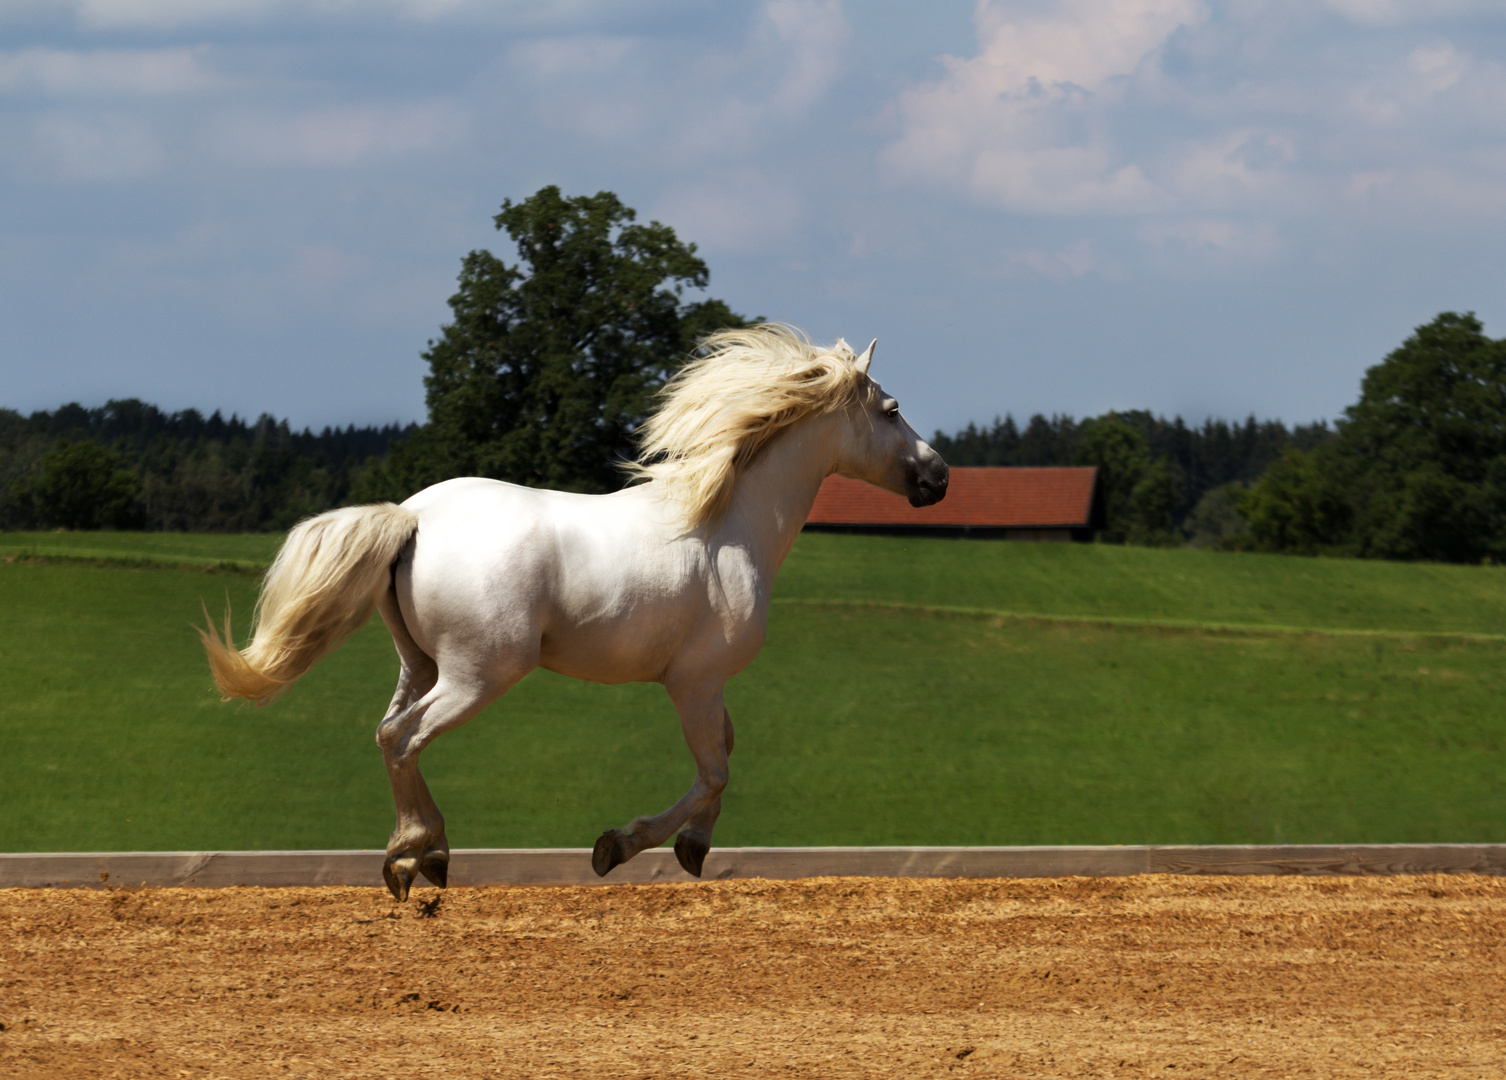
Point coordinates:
[[836, 977]]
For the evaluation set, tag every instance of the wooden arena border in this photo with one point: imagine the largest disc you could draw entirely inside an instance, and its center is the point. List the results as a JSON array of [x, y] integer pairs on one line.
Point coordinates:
[[570, 866]]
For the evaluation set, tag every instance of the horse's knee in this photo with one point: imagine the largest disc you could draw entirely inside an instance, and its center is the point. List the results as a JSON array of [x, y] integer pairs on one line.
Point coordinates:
[[715, 780], [397, 726], [389, 735], [396, 734], [400, 743]]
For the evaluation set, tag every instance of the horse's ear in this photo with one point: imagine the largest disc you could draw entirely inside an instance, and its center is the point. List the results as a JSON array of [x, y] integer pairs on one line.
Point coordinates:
[[863, 361]]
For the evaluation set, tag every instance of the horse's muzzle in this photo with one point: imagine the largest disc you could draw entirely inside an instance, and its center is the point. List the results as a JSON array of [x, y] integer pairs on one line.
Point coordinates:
[[930, 484]]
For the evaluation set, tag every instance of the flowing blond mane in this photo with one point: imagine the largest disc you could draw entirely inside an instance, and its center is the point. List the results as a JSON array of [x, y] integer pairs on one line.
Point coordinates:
[[722, 408]]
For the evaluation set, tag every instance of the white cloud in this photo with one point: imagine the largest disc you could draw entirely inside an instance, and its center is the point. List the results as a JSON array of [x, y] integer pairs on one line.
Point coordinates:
[[718, 114], [170, 15], [718, 103], [1220, 235], [338, 136], [1081, 43], [567, 57], [811, 36], [743, 211], [107, 72], [101, 14], [96, 148], [175, 14], [1233, 168], [1399, 91], [570, 72], [1436, 67], [1397, 12], [1457, 194], [1149, 109], [1072, 261], [1019, 125], [1192, 248]]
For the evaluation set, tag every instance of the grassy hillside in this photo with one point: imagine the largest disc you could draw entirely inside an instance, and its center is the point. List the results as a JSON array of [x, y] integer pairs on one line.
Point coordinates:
[[863, 721], [1076, 581], [1145, 584]]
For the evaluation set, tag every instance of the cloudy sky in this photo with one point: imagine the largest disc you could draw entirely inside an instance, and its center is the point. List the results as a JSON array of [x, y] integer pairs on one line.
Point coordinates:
[[1200, 207]]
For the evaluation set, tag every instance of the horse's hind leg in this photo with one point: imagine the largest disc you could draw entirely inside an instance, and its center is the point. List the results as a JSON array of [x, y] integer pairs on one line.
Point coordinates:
[[694, 842], [703, 720], [418, 843], [421, 709], [416, 679]]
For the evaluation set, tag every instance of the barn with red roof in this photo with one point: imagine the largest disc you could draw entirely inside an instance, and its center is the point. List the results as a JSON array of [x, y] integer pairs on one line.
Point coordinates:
[[1000, 503]]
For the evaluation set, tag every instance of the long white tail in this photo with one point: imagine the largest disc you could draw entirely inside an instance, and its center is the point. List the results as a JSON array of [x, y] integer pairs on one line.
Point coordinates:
[[319, 590]]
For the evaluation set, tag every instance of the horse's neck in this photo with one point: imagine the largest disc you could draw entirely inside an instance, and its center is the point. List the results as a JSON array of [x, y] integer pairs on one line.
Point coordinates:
[[774, 495]]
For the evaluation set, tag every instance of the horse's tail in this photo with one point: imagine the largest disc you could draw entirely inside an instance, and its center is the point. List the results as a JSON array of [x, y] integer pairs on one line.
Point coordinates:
[[319, 590]]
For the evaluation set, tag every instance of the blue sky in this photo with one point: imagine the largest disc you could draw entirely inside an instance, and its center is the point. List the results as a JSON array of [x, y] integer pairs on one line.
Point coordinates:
[[1195, 207]]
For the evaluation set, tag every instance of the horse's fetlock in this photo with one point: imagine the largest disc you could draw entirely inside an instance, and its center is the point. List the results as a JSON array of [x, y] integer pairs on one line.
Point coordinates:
[[410, 837], [613, 848]]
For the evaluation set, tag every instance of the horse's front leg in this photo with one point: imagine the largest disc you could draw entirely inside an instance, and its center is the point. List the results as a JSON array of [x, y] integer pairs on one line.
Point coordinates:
[[694, 841], [707, 730]]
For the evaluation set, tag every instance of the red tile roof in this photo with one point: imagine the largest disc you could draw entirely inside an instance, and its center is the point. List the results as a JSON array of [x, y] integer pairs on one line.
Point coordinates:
[[990, 497]]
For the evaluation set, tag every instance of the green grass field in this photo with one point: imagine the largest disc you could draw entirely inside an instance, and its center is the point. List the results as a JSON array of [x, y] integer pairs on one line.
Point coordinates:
[[911, 692], [244, 552]]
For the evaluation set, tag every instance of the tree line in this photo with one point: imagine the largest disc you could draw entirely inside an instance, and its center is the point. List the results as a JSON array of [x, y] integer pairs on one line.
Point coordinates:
[[549, 365], [129, 465], [1154, 473], [1414, 470]]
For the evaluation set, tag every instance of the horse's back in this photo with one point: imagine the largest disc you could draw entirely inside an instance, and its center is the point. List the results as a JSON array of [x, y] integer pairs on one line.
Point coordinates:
[[488, 524]]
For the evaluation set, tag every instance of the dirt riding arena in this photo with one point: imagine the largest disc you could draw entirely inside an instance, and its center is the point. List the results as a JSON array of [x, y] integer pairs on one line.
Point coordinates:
[[834, 977]]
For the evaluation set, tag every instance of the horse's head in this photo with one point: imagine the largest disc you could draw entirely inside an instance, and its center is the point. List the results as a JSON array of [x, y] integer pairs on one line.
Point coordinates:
[[879, 446]]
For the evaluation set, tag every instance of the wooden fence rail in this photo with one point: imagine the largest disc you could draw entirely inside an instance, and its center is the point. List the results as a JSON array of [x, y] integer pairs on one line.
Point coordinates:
[[570, 866]]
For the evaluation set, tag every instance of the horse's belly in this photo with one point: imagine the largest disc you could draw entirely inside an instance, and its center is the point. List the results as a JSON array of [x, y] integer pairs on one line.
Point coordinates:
[[609, 654]]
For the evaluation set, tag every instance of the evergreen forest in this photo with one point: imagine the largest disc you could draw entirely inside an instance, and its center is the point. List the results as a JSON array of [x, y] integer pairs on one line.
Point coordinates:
[[129, 465]]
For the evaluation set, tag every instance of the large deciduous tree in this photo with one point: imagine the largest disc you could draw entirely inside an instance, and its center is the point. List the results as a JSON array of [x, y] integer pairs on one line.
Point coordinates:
[[1140, 494], [1426, 446], [1418, 470], [549, 366]]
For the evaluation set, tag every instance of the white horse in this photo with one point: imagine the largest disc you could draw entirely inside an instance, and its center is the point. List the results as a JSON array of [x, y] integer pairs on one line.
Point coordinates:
[[666, 581]]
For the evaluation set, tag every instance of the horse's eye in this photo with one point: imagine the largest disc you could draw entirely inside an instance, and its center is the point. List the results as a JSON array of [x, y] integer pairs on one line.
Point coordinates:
[[891, 413]]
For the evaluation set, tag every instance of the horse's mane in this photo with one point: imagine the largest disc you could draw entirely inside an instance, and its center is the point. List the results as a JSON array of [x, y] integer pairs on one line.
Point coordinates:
[[722, 408]]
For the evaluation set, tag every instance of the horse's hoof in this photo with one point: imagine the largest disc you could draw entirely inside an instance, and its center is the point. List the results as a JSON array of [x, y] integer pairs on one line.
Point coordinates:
[[398, 873], [436, 867], [611, 850], [691, 851]]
